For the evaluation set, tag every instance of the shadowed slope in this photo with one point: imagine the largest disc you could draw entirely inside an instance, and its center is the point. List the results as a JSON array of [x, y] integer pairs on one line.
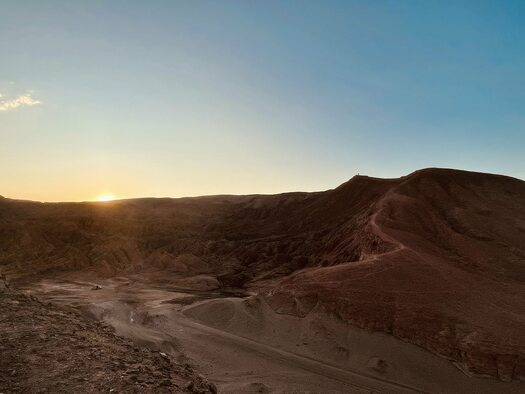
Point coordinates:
[[453, 279], [436, 258]]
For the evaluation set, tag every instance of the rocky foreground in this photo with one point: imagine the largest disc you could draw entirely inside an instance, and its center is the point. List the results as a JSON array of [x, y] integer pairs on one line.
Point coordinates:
[[46, 349]]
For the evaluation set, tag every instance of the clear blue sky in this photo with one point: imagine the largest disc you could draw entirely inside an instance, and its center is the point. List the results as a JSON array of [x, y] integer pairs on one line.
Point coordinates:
[[168, 98]]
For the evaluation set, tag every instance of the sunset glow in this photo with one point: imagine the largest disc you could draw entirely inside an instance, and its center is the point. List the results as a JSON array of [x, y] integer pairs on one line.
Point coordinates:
[[105, 197], [187, 98]]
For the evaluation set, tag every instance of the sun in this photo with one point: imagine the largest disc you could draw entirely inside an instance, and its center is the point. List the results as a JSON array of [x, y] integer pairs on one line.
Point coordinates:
[[106, 197]]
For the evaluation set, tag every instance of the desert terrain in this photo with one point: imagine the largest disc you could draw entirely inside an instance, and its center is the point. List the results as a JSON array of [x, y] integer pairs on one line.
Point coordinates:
[[413, 284], [53, 349]]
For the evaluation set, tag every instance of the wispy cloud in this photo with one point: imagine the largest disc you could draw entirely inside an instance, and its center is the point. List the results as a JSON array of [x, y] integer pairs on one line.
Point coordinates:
[[20, 101]]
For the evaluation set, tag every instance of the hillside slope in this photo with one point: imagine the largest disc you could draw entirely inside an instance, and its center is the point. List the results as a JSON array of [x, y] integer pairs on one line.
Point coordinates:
[[436, 258], [453, 280], [50, 349]]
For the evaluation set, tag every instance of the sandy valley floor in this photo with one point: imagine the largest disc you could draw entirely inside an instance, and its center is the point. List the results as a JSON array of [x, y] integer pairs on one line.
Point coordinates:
[[242, 345]]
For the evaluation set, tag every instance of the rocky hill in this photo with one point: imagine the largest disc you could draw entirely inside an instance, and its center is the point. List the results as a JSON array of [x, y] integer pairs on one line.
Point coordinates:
[[436, 258]]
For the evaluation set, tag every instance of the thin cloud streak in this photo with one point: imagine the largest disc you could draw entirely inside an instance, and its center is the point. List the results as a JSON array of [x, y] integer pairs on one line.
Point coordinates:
[[20, 101]]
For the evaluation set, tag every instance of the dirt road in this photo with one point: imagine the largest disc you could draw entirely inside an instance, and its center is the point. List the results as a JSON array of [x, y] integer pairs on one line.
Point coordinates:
[[154, 317]]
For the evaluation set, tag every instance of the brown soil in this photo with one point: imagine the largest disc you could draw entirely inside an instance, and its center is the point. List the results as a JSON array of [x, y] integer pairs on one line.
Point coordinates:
[[48, 349]]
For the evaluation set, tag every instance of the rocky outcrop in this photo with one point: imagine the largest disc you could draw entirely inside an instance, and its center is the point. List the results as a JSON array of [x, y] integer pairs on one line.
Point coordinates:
[[48, 349]]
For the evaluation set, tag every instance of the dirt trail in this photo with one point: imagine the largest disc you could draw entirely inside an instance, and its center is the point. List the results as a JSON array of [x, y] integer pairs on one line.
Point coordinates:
[[153, 317], [349, 380], [235, 364]]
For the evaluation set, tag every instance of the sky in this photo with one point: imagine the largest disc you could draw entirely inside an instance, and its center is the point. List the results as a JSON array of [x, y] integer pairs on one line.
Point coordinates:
[[184, 98]]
